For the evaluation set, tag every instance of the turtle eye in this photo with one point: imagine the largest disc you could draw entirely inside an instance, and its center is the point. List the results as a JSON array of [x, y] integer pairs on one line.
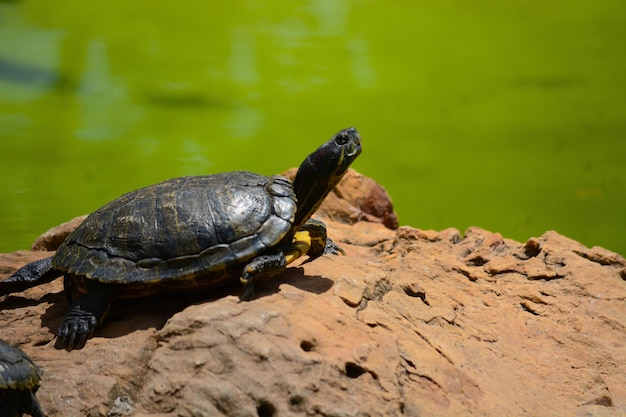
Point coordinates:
[[342, 139]]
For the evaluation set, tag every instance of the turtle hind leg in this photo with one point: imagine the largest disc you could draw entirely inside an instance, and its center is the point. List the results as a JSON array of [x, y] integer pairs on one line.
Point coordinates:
[[30, 275], [84, 316]]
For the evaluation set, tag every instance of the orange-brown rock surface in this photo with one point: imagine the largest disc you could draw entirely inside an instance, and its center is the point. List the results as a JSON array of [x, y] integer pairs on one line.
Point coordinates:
[[410, 323]]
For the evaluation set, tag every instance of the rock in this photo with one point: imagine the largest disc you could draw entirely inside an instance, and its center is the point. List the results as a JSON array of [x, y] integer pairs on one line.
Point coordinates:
[[53, 238], [410, 323]]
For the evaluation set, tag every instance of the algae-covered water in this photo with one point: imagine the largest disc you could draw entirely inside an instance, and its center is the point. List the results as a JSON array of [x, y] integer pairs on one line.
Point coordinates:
[[508, 115]]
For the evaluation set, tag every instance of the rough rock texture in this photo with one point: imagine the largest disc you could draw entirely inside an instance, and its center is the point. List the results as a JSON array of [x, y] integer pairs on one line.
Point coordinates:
[[410, 323]]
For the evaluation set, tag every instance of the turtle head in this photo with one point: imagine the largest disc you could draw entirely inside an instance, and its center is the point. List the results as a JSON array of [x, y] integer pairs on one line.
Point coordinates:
[[322, 170]]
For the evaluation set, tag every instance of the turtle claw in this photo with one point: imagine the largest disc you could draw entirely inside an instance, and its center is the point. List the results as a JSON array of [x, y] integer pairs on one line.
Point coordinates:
[[76, 329], [248, 292], [332, 248], [248, 285]]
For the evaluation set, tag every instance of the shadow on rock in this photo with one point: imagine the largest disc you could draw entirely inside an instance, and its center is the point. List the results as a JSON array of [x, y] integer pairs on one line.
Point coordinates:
[[295, 277], [12, 302], [128, 315]]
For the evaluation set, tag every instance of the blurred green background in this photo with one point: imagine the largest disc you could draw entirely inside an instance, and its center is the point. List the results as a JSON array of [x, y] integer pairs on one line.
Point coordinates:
[[508, 115]]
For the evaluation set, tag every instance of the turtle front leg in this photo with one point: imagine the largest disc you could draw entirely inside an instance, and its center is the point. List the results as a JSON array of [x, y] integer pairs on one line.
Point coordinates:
[[321, 244], [260, 268], [85, 315], [267, 266], [310, 240]]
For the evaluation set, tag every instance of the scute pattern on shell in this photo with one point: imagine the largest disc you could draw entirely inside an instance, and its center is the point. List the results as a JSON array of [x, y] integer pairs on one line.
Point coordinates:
[[180, 228], [17, 371]]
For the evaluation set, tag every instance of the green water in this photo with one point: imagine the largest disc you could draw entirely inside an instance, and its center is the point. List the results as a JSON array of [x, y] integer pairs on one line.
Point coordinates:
[[508, 115]]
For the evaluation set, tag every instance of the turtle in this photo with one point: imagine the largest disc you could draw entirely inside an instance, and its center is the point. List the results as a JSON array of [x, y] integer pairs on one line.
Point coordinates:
[[19, 380], [191, 233]]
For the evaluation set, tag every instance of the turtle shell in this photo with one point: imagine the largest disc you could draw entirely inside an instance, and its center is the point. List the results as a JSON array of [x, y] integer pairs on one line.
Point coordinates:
[[181, 229], [17, 370]]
